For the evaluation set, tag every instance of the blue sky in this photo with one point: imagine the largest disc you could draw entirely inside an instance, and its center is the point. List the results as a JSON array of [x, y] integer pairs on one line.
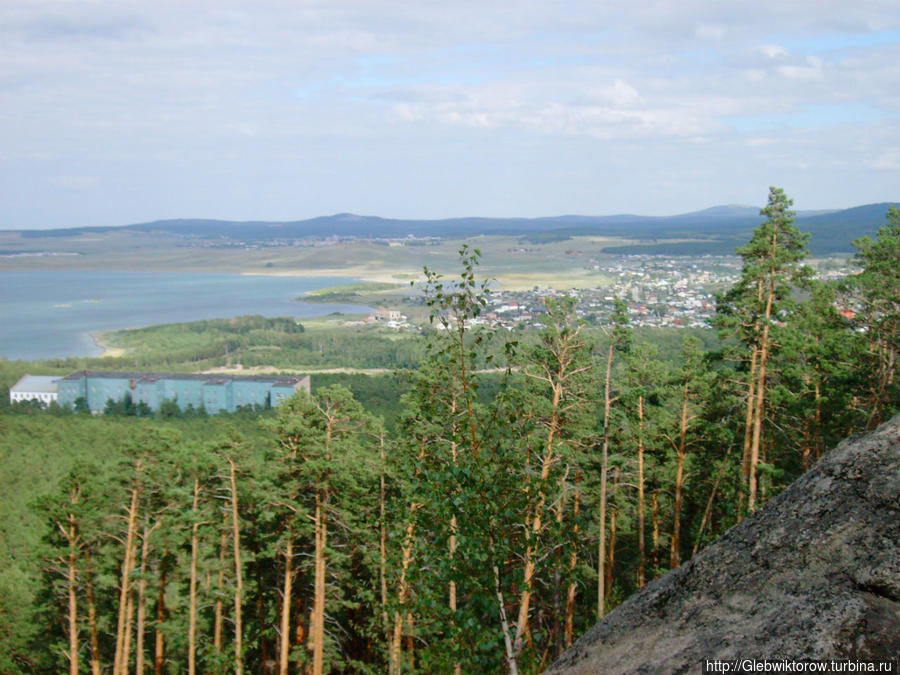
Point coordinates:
[[121, 112]]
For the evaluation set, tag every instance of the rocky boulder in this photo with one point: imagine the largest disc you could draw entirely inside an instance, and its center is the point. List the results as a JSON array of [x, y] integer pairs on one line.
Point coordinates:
[[815, 574]]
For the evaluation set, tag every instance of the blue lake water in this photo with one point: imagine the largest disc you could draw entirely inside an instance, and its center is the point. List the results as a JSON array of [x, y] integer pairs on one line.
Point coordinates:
[[51, 313]]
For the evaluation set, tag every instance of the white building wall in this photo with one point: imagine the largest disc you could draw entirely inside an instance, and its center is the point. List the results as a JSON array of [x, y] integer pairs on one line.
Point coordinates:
[[43, 397]]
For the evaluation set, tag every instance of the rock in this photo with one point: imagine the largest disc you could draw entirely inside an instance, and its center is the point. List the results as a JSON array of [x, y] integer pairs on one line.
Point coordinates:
[[815, 574]]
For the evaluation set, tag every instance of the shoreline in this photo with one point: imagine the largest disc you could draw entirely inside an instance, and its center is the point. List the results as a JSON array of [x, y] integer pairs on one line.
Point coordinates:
[[360, 274], [101, 344]]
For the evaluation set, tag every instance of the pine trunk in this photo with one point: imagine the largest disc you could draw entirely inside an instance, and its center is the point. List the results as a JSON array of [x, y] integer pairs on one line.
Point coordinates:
[[533, 532], [761, 379], [758, 406], [159, 652], [142, 604], [642, 552], [126, 650], [504, 626], [707, 513], [611, 561], [300, 631], [317, 629], [654, 518], [192, 594], [748, 433], [604, 470], [675, 552], [382, 545], [120, 666], [238, 576], [284, 649], [72, 536], [454, 528], [92, 615], [219, 622], [402, 595], [819, 442], [573, 561]]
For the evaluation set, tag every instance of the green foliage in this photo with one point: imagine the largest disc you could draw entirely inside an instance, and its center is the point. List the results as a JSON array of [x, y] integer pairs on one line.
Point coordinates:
[[877, 289], [481, 485]]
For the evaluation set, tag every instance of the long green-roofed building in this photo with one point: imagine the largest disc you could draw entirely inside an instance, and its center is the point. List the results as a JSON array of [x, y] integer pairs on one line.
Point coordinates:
[[214, 393]]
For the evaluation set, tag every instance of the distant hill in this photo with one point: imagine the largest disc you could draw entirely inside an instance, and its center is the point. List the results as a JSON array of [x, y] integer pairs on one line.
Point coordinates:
[[720, 229]]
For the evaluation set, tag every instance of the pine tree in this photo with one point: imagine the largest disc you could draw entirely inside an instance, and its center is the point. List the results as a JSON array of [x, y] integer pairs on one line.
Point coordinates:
[[619, 341], [753, 308], [557, 376], [878, 289]]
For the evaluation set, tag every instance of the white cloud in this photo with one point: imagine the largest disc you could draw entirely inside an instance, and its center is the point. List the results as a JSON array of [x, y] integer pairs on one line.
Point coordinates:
[[774, 51], [224, 94], [76, 182], [710, 32], [889, 160], [811, 70]]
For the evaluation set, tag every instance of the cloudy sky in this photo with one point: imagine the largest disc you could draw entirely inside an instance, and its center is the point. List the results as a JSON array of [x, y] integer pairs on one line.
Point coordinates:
[[128, 111]]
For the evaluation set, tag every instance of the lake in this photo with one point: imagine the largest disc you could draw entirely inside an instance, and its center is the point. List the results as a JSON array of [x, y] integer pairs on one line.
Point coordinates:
[[51, 313]]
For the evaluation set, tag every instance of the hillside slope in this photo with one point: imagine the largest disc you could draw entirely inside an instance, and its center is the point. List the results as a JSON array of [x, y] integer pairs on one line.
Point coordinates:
[[813, 575], [716, 230]]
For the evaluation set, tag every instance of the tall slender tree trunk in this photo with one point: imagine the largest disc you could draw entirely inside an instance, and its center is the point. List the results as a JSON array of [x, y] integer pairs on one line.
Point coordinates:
[[707, 513], [681, 452], [126, 649], [120, 665], [300, 631], [382, 543], [317, 629], [72, 536], [192, 594], [142, 603], [533, 532], [748, 424], [219, 622], [402, 595], [748, 433], [761, 379], [284, 649], [604, 470], [557, 631], [92, 614], [758, 406], [238, 575], [159, 652], [642, 552], [818, 442], [654, 519], [573, 561], [454, 528], [611, 561], [806, 444], [504, 625]]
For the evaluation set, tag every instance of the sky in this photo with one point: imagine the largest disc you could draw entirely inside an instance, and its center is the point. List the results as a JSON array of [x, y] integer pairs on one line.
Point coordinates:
[[130, 111]]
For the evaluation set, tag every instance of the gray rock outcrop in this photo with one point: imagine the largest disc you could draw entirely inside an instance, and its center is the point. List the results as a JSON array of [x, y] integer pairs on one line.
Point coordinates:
[[815, 574]]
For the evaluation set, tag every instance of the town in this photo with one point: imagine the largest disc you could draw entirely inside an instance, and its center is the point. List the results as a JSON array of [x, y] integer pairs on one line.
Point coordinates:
[[658, 291]]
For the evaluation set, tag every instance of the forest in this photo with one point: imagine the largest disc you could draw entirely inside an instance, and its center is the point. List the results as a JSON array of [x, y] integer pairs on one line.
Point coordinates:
[[514, 491]]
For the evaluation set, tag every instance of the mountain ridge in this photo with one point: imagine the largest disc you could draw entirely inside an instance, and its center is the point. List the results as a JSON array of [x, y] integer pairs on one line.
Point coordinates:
[[723, 227]]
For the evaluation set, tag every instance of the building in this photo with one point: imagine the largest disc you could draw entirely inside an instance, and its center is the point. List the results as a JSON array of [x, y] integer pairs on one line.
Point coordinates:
[[214, 393], [386, 315], [41, 388]]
